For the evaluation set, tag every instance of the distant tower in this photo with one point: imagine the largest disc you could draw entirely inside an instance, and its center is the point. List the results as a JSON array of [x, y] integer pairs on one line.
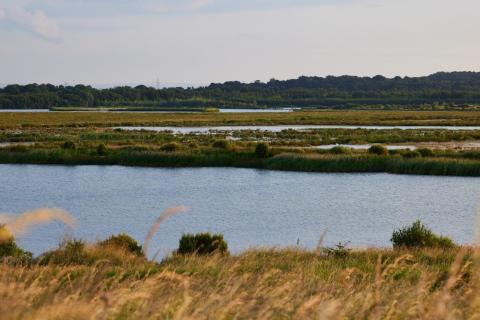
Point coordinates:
[[158, 83]]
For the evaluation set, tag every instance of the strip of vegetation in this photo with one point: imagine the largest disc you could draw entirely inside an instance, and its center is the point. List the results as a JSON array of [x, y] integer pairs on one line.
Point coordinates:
[[224, 154], [19, 120]]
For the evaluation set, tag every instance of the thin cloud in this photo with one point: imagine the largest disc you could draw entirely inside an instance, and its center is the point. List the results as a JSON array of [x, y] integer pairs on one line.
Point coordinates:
[[194, 5], [37, 23]]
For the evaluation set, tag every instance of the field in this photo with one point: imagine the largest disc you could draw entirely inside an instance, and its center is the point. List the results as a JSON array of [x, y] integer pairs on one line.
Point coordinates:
[[105, 119], [262, 284]]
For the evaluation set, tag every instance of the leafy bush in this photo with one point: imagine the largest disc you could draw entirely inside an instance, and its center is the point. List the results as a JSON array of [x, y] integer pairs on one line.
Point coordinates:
[[378, 150], [339, 251], [221, 144], [125, 242], [262, 150], [418, 236], [202, 243], [102, 149], [70, 252], [170, 147], [412, 154], [340, 150], [10, 249], [69, 145], [426, 152]]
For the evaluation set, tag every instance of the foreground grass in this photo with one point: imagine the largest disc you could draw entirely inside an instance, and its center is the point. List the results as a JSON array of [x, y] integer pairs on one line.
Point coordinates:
[[260, 284], [99, 119]]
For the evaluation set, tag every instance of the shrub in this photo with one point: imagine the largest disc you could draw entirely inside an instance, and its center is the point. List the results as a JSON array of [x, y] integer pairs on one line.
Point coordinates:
[[170, 147], [202, 243], [412, 154], [102, 149], [262, 150], [339, 251], [221, 144], [70, 252], [125, 242], [69, 145], [378, 150], [426, 152], [10, 249], [418, 236], [340, 150]]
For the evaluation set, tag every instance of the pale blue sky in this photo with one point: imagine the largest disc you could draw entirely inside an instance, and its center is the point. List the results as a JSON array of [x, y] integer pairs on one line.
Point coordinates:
[[105, 42]]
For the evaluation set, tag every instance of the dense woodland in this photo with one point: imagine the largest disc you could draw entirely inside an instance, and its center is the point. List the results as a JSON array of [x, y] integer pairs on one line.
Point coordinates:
[[454, 89]]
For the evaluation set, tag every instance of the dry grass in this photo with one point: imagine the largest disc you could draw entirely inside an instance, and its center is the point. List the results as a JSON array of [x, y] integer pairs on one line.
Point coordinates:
[[101, 119], [260, 284]]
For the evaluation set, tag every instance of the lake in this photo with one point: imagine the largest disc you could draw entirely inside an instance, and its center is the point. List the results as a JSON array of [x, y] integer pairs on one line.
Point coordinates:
[[221, 110], [251, 207], [280, 128]]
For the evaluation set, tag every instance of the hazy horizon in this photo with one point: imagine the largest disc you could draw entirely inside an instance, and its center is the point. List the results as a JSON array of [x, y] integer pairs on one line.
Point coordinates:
[[198, 42]]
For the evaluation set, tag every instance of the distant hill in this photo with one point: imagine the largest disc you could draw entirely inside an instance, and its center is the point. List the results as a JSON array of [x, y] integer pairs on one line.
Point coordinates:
[[450, 89]]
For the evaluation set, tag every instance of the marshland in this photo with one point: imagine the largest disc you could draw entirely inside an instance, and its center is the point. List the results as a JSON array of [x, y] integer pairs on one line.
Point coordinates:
[[307, 218]]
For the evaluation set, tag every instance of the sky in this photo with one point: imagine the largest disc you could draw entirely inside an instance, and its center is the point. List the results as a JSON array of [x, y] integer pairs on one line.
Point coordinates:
[[196, 42]]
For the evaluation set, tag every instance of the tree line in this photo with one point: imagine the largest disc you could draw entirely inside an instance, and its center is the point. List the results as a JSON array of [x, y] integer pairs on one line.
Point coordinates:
[[343, 91]]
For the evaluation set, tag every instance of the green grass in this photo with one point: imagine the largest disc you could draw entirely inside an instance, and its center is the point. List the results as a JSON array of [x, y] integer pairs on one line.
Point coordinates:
[[312, 162]]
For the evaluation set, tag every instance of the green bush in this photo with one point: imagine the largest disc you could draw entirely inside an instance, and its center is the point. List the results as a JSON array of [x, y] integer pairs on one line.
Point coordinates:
[[378, 150], [170, 147], [69, 145], [221, 144], [412, 154], [202, 243], [102, 149], [262, 150], [340, 150], [339, 251], [125, 242], [71, 252], [419, 236], [9, 248], [426, 152]]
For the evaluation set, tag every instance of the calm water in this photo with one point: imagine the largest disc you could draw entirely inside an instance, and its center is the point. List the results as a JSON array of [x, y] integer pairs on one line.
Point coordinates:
[[24, 110], [363, 147], [186, 130], [281, 110], [251, 207]]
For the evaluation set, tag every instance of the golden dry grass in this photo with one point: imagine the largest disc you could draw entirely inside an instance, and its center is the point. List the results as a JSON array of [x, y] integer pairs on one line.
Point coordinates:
[[257, 284], [104, 119]]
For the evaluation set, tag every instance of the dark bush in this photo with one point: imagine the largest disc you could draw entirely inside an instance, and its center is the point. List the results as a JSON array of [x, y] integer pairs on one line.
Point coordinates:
[[221, 144], [71, 252], [419, 236], [412, 154], [339, 251], [340, 150], [125, 242], [69, 145], [425, 152], [9, 248], [170, 147], [102, 149], [262, 150], [396, 152], [378, 150], [202, 243]]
